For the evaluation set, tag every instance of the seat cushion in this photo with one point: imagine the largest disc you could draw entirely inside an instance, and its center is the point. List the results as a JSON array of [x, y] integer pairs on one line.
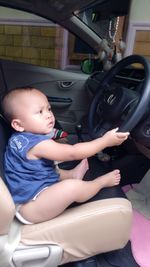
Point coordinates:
[[85, 230]]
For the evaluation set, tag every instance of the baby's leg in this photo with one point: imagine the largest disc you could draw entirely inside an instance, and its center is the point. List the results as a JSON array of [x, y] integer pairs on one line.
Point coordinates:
[[56, 198], [76, 173]]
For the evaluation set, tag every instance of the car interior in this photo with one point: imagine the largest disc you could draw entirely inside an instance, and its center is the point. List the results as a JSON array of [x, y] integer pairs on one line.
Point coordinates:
[[87, 101], [30, 247]]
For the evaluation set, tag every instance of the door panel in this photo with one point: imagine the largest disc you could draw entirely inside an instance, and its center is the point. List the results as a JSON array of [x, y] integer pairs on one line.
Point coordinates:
[[66, 91]]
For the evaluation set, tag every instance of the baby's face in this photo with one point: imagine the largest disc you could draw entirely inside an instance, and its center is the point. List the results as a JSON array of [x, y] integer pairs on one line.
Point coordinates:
[[34, 112]]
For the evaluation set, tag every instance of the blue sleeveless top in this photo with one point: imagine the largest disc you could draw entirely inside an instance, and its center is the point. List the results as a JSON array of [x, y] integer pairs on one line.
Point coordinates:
[[26, 177]]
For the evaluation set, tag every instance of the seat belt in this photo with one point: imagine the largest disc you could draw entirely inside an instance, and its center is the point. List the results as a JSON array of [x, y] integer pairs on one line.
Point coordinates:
[[9, 242]]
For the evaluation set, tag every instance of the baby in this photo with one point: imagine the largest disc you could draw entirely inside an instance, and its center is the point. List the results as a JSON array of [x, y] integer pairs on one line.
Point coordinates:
[[41, 191]]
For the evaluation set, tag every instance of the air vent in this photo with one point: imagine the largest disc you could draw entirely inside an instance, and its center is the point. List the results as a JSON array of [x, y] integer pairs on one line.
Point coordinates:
[[132, 73]]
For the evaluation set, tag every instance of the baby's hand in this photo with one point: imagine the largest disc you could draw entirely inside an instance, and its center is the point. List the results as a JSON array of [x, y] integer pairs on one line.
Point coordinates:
[[114, 138]]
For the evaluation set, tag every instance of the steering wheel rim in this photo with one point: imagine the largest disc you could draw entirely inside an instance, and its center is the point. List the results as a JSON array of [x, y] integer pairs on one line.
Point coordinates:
[[143, 100]]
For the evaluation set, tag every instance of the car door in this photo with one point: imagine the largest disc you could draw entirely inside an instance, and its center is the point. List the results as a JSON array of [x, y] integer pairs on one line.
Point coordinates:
[[30, 56], [65, 90]]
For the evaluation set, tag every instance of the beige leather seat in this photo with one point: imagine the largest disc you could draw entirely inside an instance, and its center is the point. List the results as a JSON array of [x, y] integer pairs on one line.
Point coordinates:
[[78, 233]]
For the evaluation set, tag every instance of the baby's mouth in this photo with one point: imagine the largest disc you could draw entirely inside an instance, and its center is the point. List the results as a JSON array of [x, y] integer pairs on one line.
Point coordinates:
[[51, 125]]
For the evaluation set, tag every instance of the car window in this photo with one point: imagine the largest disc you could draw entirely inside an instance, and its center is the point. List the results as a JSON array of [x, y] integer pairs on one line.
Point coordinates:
[[28, 38]]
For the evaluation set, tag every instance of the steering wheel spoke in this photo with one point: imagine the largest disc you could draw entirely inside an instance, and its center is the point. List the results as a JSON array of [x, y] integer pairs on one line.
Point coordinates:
[[102, 127]]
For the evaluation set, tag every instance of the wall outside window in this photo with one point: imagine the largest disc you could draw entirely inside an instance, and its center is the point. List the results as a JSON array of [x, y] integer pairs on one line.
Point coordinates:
[[30, 39], [138, 35]]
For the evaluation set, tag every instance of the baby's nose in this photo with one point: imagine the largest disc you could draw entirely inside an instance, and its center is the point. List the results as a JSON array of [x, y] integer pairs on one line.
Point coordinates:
[[49, 114]]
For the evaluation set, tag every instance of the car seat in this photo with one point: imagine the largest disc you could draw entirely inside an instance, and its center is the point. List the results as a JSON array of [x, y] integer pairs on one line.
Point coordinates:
[[78, 233]]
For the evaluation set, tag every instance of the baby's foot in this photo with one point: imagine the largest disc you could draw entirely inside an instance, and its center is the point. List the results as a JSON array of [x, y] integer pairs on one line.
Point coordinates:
[[79, 171], [111, 178]]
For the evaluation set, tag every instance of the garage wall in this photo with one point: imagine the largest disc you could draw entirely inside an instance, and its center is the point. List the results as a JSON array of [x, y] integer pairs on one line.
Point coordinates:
[[30, 39], [138, 34], [142, 43], [140, 10], [30, 44]]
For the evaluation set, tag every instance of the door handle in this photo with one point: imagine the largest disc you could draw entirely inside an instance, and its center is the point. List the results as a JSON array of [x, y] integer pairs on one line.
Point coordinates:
[[59, 102], [59, 99]]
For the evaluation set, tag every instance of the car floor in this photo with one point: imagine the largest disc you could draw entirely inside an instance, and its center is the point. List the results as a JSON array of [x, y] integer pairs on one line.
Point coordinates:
[[117, 258]]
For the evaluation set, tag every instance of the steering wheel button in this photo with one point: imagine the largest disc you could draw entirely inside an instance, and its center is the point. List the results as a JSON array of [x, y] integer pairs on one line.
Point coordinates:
[[147, 130]]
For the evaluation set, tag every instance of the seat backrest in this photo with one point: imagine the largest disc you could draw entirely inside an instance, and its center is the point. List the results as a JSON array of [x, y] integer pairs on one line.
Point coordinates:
[[7, 207], [5, 132]]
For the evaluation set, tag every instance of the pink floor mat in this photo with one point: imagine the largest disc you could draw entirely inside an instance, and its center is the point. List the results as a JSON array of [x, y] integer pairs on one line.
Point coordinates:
[[140, 237]]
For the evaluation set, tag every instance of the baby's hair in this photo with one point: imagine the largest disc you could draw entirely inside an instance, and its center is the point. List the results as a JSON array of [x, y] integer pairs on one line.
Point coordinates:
[[6, 107]]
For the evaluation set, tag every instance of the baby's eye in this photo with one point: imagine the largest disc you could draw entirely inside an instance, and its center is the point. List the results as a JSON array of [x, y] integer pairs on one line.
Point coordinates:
[[40, 111], [49, 108]]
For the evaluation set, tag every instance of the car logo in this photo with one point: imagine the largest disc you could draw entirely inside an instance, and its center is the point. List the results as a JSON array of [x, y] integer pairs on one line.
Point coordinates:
[[111, 99]]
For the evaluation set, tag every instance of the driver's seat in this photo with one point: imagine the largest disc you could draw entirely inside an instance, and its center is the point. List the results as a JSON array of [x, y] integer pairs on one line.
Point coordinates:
[[76, 234]]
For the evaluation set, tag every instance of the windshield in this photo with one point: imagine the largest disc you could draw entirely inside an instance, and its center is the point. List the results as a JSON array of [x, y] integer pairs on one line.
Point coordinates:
[[107, 28], [108, 20]]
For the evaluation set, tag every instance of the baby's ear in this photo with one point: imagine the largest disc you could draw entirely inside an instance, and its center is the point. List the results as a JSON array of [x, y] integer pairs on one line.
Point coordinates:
[[17, 125]]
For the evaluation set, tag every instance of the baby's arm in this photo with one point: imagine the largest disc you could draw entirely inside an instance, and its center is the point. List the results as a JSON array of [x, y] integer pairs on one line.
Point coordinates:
[[52, 150]]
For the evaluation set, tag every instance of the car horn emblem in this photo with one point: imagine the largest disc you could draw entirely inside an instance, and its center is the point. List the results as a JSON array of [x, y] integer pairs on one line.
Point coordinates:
[[111, 99]]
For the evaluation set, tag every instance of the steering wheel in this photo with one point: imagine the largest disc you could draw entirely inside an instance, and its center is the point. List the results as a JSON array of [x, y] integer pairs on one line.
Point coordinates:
[[119, 107]]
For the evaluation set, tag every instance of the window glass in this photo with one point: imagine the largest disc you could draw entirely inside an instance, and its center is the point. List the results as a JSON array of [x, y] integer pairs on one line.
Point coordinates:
[[30, 39], [105, 17], [110, 28]]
